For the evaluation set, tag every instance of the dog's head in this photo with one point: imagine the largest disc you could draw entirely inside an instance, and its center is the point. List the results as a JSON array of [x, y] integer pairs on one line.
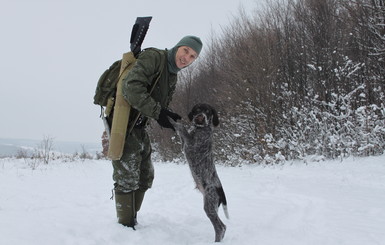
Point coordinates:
[[203, 115]]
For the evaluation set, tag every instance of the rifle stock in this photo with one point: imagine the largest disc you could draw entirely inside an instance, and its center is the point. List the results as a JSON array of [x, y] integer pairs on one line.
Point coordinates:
[[138, 33]]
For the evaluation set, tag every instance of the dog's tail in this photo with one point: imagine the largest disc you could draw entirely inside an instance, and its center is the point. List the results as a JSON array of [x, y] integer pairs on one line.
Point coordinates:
[[222, 200]]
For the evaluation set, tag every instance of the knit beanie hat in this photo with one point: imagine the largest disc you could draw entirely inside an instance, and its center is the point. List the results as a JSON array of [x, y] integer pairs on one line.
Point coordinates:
[[192, 42]]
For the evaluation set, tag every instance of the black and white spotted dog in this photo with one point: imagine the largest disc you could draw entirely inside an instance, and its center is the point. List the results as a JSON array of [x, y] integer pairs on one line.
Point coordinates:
[[197, 147]]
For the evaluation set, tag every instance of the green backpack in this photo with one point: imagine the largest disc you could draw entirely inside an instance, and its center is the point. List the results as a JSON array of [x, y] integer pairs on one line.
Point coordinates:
[[105, 92], [106, 87]]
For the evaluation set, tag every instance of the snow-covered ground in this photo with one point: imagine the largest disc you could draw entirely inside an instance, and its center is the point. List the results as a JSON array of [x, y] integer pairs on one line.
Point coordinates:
[[325, 203]]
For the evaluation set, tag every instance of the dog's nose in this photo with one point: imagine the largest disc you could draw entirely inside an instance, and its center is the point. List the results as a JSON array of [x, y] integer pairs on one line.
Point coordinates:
[[200, 118]]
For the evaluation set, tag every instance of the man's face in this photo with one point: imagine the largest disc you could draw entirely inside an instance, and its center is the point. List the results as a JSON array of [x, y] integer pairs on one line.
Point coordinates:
[[185, 56]]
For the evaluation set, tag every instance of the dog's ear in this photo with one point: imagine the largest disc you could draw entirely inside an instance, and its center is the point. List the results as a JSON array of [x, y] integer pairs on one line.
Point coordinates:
[[193, 110], [190, 116], [215, 117]]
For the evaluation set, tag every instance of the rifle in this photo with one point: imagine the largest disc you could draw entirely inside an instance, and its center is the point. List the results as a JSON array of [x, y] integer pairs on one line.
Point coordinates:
[[122, 108]]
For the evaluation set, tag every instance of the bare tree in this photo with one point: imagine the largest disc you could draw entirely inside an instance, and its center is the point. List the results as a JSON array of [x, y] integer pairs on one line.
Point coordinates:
[[295, 79], [45, 148]]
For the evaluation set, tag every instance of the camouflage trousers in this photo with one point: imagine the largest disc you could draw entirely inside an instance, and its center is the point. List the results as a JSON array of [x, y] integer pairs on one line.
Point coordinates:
[[134, 170]]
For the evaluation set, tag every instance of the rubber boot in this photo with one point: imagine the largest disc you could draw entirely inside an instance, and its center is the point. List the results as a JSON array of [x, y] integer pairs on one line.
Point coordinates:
[[139, 196], [125, 208]]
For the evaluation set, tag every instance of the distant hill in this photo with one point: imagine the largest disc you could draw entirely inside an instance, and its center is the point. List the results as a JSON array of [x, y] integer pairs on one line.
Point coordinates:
[[9, 147]]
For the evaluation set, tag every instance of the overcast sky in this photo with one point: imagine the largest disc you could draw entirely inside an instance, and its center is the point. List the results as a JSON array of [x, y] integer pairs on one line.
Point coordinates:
[[52, 53]]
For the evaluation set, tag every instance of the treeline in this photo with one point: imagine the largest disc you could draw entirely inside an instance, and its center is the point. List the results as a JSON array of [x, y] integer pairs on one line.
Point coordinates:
[[300, 79]]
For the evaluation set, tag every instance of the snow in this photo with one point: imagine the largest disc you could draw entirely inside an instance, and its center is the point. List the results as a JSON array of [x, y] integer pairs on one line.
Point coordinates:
[[325, 203]]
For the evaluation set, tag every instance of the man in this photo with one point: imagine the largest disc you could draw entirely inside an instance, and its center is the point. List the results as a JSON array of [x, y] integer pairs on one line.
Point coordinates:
[[134, 173]]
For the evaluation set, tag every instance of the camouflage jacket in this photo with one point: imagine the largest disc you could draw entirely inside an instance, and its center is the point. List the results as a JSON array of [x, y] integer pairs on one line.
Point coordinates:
[[139, 80]]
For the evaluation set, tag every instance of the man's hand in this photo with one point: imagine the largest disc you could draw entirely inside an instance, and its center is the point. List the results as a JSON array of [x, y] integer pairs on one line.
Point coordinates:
[[163, 118]]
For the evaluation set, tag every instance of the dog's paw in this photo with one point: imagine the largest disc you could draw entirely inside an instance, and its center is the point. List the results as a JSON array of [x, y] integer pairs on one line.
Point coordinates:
[[178, 126], [219, 235], [172, 121]]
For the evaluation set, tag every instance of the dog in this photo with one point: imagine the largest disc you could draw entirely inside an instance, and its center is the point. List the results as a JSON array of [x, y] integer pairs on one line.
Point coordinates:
[[197, 148]]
